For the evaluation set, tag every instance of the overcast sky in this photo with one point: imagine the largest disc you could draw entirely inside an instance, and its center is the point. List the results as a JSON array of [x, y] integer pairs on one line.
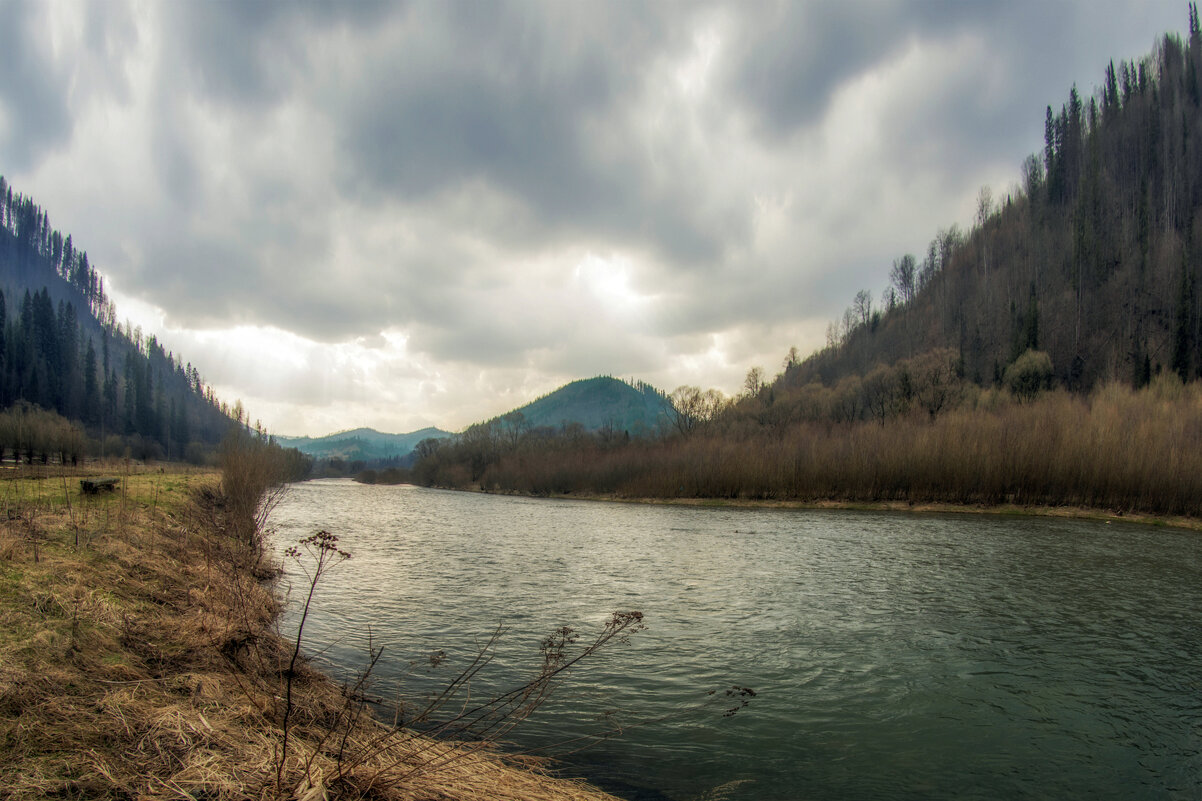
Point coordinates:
[[405, 214]]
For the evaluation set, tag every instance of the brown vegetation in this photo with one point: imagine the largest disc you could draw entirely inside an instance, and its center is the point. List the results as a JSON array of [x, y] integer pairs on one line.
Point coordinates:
[[30, 433], [138, 659], [1118, 449]]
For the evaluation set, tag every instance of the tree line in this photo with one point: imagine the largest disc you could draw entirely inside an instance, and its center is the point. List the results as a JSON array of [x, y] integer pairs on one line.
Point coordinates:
[[1117, 448], [34, 435], [1094, 257], [1025, 359], [63, 351]]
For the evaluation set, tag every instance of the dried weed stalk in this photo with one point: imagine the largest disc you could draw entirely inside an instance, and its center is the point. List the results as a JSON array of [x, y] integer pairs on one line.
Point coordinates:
[[451, 728]]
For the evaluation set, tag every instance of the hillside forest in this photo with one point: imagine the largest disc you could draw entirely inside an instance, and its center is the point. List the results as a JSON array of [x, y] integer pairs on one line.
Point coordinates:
[[76, 383], [1048, 355]]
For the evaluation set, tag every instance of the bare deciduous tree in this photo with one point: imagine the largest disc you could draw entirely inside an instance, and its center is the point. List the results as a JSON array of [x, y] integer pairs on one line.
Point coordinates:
[[862, 306], [690, 407], [754, 382]]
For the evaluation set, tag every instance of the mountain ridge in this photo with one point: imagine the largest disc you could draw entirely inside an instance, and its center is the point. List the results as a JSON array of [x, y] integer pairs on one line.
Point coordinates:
[[597, 403], [362, 444]]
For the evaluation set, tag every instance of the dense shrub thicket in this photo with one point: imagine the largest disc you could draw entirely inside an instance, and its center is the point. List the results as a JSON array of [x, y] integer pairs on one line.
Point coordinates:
[[1117, 448]]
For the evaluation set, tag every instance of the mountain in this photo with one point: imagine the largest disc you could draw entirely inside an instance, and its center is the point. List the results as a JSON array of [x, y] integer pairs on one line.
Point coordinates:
[[601, 403], [1095, 259], [62, 350], [592, 413], [361, 444], [1086, 278], [594, 404]]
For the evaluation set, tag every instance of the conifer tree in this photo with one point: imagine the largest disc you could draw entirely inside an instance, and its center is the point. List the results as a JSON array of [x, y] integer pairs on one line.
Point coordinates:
[[91, 389]]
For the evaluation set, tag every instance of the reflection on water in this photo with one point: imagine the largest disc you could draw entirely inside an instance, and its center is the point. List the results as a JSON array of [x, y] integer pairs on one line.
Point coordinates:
[[894, 656]]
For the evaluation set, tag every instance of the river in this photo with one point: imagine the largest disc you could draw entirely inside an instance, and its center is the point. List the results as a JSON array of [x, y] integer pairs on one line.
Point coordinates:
[[900, 656]]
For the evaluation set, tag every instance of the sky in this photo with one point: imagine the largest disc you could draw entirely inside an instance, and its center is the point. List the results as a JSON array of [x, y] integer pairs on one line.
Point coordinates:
[[404, 214]]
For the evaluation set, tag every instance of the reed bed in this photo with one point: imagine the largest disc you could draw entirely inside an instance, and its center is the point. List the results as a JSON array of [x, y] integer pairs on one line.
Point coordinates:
[[1118, 449]]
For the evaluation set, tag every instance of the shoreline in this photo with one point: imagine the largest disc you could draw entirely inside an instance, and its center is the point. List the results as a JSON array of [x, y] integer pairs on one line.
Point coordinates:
[[997, 510], [140, 656]]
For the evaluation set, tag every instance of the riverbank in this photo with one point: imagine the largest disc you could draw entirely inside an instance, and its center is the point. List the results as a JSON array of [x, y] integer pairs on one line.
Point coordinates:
[[139, 658], [1001, 510]]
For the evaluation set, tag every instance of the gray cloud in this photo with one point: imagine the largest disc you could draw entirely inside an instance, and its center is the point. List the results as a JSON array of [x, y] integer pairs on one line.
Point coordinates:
[[42, 82], [32, 91], [251, 53], [792, 57], [528, 190], [531, 103]]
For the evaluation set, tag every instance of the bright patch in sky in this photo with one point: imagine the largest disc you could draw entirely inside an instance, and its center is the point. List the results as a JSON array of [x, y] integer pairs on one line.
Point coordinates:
[[694, 74], [607, 281]]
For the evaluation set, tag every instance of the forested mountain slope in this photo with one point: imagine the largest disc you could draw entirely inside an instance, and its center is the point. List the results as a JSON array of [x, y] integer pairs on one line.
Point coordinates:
[[62, 349], [1095, 259], [597, 403]]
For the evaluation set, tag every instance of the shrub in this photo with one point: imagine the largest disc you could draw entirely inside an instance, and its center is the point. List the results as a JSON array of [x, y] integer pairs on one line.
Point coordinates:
[[253, 473], [1030, 373]]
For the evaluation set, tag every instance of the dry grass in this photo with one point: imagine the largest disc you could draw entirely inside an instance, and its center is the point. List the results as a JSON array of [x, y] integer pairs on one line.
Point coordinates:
[[1117, 450], [138, 659]]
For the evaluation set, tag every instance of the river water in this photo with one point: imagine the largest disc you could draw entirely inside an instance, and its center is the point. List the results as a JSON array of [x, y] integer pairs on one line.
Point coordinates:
[[901, 656]]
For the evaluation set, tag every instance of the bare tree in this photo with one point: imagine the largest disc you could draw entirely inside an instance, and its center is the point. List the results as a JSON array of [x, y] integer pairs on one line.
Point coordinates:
[[904, 277], [862, 306], [514, 426], [832, 335], [984, 206], [889, 298], [754, 383], [690, 407], [879, 390]]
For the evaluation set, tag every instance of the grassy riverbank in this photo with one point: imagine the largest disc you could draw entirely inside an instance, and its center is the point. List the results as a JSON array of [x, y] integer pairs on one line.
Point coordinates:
[[139, 659]]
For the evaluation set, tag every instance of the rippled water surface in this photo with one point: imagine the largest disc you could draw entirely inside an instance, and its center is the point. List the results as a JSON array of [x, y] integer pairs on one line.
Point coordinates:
[[893, 656]]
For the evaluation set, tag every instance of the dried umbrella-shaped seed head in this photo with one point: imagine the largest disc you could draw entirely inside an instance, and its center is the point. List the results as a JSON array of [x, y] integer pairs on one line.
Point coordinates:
[[324, 542]]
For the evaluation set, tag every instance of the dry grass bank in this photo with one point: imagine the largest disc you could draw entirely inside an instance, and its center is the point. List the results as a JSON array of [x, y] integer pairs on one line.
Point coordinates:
[[138, 659]]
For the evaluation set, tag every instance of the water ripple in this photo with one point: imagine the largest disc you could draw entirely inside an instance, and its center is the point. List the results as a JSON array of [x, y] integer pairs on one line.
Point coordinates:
[[894, 656]]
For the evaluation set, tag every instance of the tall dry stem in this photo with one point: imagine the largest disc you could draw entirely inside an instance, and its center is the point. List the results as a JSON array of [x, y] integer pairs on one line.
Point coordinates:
[[323, 549]]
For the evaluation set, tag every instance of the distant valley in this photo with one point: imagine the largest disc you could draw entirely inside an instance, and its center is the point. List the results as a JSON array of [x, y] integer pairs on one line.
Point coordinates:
[[593, 405], [363, 444]]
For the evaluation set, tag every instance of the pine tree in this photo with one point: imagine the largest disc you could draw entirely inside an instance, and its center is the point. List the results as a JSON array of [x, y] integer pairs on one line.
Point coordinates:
[[109, 418], [91, 389], [131, 392]]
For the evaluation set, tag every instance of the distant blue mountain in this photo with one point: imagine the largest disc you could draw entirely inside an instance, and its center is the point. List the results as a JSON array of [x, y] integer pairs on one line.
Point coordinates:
[[593, 403], [364, 444]]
